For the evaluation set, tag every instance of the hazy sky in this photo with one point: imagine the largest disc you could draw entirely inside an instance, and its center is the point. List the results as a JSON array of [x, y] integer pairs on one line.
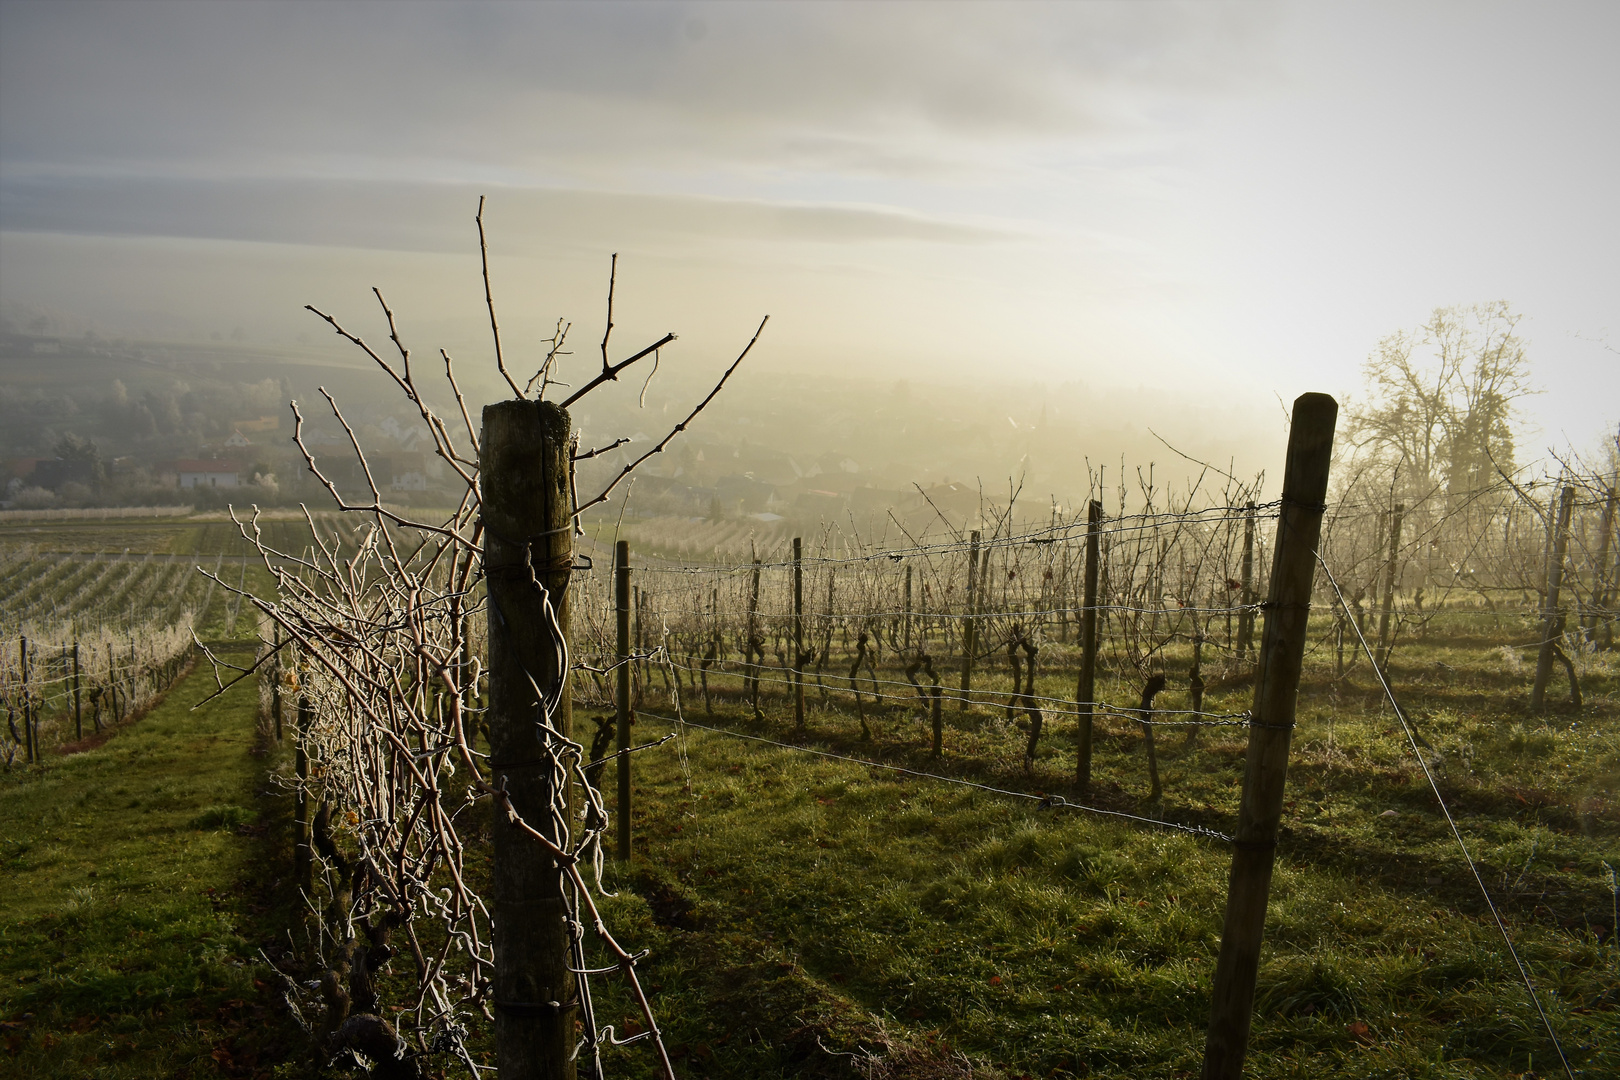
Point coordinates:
[[1230, 201]]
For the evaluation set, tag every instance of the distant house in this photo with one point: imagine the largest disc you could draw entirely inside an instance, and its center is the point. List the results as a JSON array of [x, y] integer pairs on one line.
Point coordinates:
[[208, 473], [407, 472]]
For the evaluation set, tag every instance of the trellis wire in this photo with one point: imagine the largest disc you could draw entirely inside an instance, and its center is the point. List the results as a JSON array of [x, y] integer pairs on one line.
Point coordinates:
[[1501, 926], [1045, 801]]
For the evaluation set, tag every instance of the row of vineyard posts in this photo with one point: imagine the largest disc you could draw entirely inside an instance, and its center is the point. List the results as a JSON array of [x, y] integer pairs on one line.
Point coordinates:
[[1278, 665], [407, 730], [532, 590], [58, 681], [694, 627]]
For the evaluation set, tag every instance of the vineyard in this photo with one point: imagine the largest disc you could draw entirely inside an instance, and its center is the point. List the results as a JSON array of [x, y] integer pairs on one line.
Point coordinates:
[[92, 636], [983, 616], [823, 690], [899, 796], [1387, 640], [1458, 658]]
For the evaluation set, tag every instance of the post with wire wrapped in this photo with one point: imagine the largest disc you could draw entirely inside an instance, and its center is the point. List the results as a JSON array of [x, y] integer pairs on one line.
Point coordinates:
[[1086, 690], [78, 710], [1552, 626], [621, 610], [1282, 652], [799, 660], [303, 870], [30, 754], [969, 627], [1246, 597], [1391, 568], [528, 550]]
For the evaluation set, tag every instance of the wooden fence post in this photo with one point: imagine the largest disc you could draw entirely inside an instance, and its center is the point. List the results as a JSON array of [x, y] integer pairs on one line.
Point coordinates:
[[1340, 617], [275, 685], [621, 582], [112, 688], [1389, 586], [1195, 685], [524, 469], [635, 634], [1282, 651], [78, 712], [303, 869], [1086, 689], [1144, 713], [29, 754], [970, 630], [756, 648], [906, 646], [1603, 586], [798, 634], [1246, 597], [1553, 619]]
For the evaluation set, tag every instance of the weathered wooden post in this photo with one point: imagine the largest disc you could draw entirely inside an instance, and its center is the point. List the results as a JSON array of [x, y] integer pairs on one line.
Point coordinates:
[[621, 582], [756, 649], [303, 868], [1195, 685], [1604, 588], [970, 631], [1389, 586], [1340, 615], [29, 754], [906, 639], [1144, 714], [1552, 625], [112, 687], [1246, 597], [1282, 651], [935, 713], [797, 673], [528, 550], [635, 634], [78, 712], [275, 684], [1085, 693], [1600, 571]]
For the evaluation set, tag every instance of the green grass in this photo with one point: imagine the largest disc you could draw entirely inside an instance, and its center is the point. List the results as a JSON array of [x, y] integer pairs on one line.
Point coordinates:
[[800, 909], [812, 918], [130, 916]]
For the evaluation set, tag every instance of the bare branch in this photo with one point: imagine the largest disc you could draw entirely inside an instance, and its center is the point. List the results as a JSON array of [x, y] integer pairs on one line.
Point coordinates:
[[614, 445], [610, 374], [677, 429], [489, 300]]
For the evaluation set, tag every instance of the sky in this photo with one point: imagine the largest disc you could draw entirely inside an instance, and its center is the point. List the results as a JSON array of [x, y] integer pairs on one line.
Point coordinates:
[[1221, 203]]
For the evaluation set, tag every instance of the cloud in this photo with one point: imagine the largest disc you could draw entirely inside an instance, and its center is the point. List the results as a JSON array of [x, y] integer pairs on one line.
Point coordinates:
[[438, 217], [554, 91]]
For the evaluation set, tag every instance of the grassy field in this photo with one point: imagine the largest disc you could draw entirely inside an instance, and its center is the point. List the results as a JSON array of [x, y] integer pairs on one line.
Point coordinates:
[[810, 917], [135, 900], [802, 909]]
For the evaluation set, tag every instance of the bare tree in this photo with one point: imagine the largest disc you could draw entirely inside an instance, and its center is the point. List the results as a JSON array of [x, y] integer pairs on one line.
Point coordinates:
[[1441, 399]]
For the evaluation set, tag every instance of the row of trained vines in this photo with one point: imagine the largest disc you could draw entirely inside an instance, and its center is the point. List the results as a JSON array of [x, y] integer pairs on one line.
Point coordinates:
[[91, 638], [981, 614], [449, 821], [379, 660]]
